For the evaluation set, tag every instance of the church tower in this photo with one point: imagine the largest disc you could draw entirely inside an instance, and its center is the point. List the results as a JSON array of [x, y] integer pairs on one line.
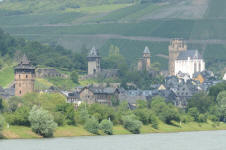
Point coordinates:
[[176, 46], [144, 63], [147, 58], [24, 77], [93, 62]]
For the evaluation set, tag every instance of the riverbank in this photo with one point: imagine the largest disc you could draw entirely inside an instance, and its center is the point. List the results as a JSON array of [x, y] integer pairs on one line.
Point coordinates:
[[20, 132]]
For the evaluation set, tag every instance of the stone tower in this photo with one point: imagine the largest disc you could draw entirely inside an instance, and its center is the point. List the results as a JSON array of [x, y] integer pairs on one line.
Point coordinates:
[[176, 46], [144, 63], [24, 77], [93, 62]]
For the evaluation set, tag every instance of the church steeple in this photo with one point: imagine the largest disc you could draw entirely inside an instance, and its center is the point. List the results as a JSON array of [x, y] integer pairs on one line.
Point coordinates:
[[144, 63], [93, 61]]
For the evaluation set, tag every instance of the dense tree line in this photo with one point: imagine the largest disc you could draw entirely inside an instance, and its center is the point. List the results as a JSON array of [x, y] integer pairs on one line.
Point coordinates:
[[128, 73], [48, 55]]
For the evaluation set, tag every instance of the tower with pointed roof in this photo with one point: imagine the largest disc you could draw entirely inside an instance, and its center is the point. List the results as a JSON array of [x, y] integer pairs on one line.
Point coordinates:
[[93, 62], [144, 63], [24, 77], [176, 46]]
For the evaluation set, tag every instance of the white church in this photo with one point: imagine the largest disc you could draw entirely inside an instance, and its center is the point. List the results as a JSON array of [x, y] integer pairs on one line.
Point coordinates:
[[189, 62]]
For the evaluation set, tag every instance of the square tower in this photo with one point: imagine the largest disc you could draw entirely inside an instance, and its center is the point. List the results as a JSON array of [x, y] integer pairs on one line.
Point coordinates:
[[176, 46], [144, 63], [93, 62], [24, 77]]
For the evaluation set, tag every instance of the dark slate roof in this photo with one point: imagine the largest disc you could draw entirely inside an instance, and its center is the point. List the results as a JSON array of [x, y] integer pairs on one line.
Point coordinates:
[[93, 52], [193, 54], [24, 60], [146, 50], [108, 90], [24, 63], [74, 94]]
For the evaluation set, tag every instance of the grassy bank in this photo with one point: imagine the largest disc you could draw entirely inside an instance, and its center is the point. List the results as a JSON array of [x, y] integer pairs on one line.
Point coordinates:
[[6, 76], [19, 132]]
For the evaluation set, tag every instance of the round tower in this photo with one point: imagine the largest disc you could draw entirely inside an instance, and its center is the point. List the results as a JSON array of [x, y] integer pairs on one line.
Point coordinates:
[[93, 62], [147, 58], [176, 46], [24, 77]]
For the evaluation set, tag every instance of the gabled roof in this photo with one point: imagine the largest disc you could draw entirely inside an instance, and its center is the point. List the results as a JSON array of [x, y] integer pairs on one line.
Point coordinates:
[[24, 63], [99, 90], [146, 50], [192, 54], [107, 90]]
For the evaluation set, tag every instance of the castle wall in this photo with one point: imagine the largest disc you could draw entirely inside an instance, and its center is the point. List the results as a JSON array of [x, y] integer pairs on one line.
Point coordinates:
[[148, 63], [139, 65], [24, 83], [93, 67]]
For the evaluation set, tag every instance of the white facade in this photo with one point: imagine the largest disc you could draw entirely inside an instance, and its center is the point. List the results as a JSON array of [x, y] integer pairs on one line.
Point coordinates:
[[189, 66], [224, 78]]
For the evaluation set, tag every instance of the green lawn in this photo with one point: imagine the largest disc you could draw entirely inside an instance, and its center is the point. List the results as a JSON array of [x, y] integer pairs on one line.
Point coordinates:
[[6, 76], [70, 131], [14, 132], [42, 84]]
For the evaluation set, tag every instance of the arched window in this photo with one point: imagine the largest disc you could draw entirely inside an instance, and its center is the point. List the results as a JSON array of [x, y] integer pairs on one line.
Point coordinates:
[[26, 76], [20, 92], [195, 67]]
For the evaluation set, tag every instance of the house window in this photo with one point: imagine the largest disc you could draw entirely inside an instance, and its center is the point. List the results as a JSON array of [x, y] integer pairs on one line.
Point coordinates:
[[26, 76], [195, 67]]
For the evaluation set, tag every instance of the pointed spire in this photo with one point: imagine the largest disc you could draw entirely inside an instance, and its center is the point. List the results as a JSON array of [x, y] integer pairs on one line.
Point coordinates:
[[146, 50], [24, 60], [196, 54], [93, 52]]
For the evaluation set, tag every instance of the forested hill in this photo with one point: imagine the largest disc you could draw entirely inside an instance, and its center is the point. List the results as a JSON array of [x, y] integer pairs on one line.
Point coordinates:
[[39, 54]]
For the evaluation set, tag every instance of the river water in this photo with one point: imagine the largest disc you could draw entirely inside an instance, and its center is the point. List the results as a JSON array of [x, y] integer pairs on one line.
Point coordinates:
[[208, 140]]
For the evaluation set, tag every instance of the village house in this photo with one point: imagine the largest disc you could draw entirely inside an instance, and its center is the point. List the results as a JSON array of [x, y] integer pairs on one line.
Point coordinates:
[[224, 78], [92, 95]]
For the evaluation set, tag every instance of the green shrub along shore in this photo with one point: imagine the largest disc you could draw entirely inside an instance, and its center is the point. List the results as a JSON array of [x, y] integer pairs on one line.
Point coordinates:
[[48, 115]]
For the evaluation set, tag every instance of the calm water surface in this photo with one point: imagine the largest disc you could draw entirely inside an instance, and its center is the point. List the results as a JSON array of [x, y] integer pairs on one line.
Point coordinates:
[[210, 140]]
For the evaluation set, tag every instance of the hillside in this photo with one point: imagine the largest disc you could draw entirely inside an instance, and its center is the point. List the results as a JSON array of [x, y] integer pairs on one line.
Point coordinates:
[[128, 25]]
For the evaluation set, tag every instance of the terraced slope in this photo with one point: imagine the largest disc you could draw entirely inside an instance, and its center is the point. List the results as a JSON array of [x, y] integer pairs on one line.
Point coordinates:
[[130, 27]]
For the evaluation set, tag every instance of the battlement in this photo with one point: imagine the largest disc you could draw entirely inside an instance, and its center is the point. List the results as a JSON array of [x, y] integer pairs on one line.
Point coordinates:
[[177, 45]]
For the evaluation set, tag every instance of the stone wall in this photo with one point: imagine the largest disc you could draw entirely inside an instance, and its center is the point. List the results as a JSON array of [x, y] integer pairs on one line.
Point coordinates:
[[49, 73]]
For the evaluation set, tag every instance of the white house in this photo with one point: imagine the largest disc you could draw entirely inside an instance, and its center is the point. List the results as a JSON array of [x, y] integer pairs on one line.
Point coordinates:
[[189, 62], [224, 78]]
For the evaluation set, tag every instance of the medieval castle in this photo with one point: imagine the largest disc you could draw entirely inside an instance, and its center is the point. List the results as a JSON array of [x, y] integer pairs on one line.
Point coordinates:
[[24, 77], [181, 60]]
